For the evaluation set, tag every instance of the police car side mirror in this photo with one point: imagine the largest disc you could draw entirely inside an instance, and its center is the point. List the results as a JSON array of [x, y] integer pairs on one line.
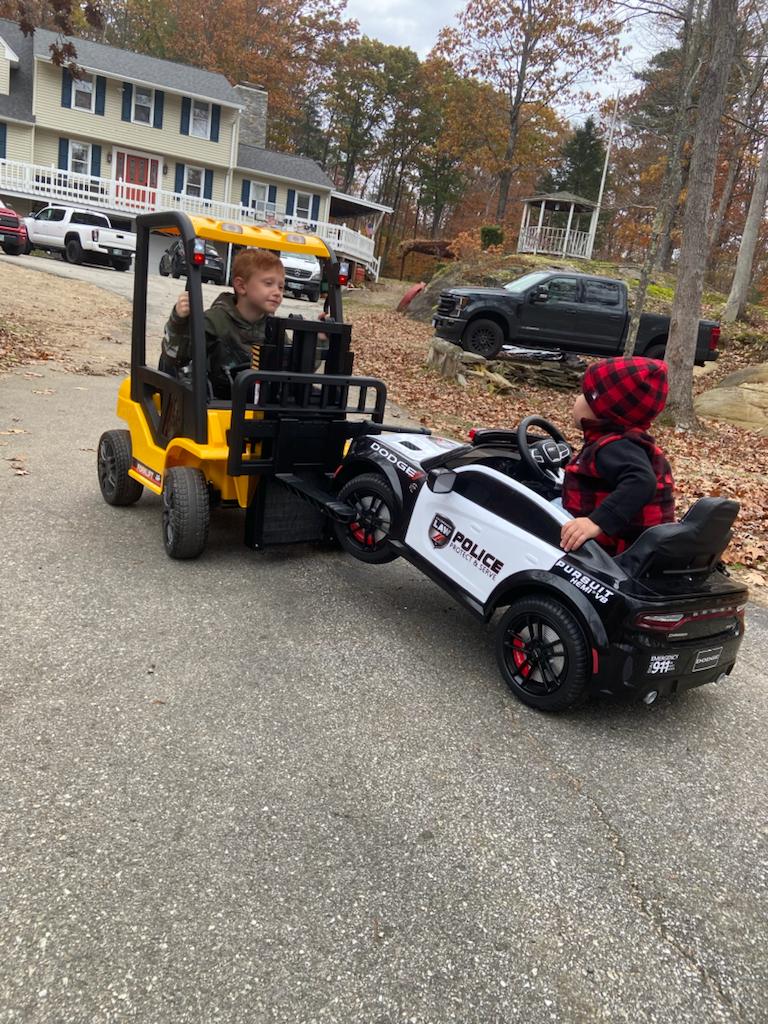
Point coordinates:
[[441, 480]]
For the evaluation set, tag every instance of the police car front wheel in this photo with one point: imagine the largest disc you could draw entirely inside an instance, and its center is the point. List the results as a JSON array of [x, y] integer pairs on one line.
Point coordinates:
[[367, 536]]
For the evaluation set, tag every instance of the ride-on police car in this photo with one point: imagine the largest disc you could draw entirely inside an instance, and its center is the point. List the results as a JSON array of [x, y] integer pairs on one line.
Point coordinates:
[[481, 520]]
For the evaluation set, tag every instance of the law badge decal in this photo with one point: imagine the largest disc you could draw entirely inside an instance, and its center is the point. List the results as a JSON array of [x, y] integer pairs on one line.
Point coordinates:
[[441, 531]]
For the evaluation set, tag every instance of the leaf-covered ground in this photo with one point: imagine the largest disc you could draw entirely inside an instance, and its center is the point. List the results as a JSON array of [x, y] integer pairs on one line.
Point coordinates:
[[723, 460]]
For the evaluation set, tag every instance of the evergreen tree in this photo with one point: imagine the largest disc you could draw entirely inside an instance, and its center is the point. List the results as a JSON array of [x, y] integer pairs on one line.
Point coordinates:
[[580, 164]]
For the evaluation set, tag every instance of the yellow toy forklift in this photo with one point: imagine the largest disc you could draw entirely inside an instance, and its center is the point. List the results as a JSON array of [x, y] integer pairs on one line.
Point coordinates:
[[271, 448]]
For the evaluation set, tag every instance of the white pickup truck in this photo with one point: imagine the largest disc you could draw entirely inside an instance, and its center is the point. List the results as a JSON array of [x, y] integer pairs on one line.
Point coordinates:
[[81, 236]]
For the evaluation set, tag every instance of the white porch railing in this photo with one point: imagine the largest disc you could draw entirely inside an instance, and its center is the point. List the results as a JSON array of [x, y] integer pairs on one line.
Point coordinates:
[[54, 185], [552, 241]]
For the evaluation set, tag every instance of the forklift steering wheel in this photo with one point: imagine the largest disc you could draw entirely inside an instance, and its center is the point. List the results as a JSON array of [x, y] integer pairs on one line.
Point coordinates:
[[544, 457]]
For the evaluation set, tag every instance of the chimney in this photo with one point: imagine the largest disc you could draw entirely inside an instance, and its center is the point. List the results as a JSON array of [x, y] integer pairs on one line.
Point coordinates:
[[253, 119]]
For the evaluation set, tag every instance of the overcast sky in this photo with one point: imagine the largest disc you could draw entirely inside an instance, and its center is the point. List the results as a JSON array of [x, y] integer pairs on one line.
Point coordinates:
[[408, 23], [403, 22]]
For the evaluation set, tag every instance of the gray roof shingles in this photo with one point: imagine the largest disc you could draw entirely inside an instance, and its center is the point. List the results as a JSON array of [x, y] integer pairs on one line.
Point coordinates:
[[181, 78], [111, 61], [18, 105], [282, 165]]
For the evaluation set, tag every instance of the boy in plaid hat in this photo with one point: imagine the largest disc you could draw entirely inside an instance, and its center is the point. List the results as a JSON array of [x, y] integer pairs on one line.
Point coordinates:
[[620, 483]]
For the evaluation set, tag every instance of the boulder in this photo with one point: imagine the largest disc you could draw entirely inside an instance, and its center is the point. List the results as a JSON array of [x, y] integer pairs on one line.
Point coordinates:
[[740, 398]]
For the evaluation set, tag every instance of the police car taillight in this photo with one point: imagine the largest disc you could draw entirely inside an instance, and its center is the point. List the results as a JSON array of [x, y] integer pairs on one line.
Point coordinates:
[[472, 433], [665, 622], [198, 252]]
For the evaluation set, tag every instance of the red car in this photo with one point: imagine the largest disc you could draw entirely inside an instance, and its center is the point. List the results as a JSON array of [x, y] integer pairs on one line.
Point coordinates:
[[13, 231]]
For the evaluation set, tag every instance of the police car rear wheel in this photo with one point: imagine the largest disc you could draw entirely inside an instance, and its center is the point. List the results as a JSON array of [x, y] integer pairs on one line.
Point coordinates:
[[186, 512], [367, 536], [113, 460], [542, 654]]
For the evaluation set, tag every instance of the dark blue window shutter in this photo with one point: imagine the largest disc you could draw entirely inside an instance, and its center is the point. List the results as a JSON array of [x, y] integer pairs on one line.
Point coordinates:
[[208, 185], [101, 92], [159, 104], [315, 207], [66, 88], [3, 140], [186, 109], [179, 187], [272, 194], [127, 100], [245, 194], [96, 161], [291, 202], [64, 154], [215, 122]]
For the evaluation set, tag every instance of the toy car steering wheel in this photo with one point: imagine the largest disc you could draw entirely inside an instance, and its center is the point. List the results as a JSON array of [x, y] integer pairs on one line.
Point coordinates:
[[547, 456]]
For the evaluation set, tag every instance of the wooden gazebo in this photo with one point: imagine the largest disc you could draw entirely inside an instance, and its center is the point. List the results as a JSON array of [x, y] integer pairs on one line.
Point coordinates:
[[558, 224]]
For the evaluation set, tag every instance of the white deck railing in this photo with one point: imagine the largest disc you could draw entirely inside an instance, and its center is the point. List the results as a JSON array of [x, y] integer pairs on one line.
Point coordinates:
[[54, 185], [552, 241]]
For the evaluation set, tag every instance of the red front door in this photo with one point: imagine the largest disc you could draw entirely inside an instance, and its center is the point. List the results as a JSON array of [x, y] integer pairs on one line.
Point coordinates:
[[137, 180]]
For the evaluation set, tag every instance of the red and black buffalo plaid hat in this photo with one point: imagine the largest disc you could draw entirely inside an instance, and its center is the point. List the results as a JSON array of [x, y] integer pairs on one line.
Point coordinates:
[[628, 390]]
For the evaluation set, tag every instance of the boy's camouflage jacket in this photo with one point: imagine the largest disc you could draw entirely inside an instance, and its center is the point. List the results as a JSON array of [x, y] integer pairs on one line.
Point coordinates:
[[229, 341]]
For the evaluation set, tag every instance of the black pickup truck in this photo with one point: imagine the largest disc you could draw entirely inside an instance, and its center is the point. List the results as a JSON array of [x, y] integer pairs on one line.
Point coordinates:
[[556, 310]]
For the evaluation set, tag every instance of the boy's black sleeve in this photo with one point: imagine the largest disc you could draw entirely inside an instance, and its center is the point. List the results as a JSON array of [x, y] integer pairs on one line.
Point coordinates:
[[625, 466]]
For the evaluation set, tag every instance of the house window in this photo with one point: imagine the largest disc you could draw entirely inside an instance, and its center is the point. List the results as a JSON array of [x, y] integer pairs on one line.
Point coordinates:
[[193, 185], [303, 205], [80, 157], [142, 105], [258, 195], [84, 92], [201, 120]]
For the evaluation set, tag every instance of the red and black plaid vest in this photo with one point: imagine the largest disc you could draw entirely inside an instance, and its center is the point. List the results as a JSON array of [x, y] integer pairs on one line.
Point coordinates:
[[584, 489]]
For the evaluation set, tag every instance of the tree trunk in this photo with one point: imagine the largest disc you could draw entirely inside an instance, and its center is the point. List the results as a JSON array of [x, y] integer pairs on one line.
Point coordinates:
[[737, 299], [660, 244], [673, 172], [686, 308]]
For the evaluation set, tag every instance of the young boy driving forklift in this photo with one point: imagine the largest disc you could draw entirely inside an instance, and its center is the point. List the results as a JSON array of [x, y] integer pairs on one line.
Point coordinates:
[[235, 323]]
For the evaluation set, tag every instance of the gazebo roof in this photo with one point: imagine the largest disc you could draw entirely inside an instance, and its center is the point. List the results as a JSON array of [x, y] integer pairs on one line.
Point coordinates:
[[555, 200]]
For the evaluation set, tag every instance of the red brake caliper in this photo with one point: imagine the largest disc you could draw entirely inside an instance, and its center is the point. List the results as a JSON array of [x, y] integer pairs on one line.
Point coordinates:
[[520, 657]]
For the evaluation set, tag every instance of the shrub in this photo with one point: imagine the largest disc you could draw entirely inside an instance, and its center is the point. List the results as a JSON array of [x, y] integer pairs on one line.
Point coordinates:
[[491, 234]]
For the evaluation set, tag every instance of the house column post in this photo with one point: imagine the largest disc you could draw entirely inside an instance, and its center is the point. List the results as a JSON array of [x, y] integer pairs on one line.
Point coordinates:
[[567, 231], [523, 225], [538, 229]]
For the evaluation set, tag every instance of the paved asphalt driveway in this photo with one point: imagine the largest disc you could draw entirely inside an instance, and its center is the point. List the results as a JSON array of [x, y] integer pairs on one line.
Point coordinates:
[[289, 787]]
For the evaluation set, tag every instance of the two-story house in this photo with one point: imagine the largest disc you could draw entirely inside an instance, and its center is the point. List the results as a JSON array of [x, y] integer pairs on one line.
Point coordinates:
[[132, 133]]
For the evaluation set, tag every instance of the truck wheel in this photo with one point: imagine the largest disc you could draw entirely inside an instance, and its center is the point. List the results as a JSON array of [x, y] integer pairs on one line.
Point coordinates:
[[186, 512], [74, 251], [121, 264], [367, 536], [13, 250], [655, 352], [542, 654], [113, 462], [314, 295], [483, 338]]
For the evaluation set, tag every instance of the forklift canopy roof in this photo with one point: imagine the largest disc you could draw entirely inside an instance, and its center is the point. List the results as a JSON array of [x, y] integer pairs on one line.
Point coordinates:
[[254, 237]]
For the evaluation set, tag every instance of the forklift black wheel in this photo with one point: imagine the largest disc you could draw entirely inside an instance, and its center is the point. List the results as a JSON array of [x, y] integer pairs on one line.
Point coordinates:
[[542, 654], [186, 512], [113, 462], [367, 536]]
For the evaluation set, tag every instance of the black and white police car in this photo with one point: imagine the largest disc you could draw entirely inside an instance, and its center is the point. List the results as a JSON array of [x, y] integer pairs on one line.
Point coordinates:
[[482, 521]]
